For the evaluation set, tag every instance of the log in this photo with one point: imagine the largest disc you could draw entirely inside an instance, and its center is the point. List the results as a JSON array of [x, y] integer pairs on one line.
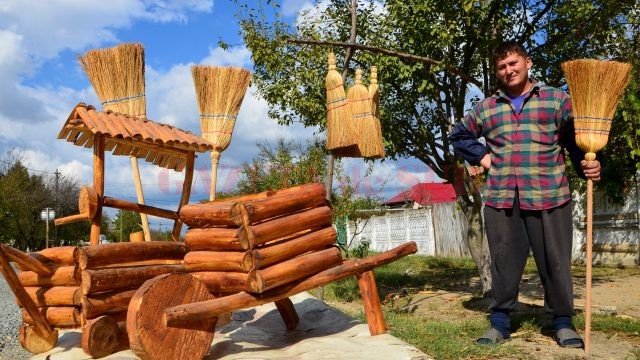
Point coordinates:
[[32, 341], [289, 248], [60, 256], [140, 263], [183, 314], [58, 316], [282, 203], [215, 239], [25, 261], [288, 313], [91, 257], [61, 276], [149, 336], [262, 233], [95, 281], [371, 300], [224, 281], [44, 296], [294, 269], [213, 214], [42, 328], [88, 201], [139, 208], [109, 302], [100, 337], [218, 261]]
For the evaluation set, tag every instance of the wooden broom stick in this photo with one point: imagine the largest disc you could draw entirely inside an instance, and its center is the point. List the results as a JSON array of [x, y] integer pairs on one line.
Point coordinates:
[[595, 88]]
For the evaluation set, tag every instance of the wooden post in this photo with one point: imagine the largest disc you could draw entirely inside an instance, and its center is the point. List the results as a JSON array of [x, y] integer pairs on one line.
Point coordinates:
[[59, 316], [60, 256], [98, 186], [184, 314], [218, 261], [224, 281], [288, 313], [32, 341], [371, 300], [139, 208], [54, 295], [186, 194], [140, 196]]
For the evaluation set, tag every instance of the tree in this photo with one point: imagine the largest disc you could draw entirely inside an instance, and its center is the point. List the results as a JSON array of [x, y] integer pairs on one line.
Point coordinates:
[[124, 223], [433, 56]]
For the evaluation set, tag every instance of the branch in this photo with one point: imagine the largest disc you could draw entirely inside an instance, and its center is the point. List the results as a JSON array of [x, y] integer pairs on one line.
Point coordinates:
[[397, 54]]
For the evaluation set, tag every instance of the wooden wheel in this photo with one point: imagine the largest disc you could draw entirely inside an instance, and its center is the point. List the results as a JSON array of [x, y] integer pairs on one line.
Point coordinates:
[[149, 336]]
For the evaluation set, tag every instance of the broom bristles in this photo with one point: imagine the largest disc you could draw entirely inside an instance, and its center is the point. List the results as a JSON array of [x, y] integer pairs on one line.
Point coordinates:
[[338, 122], [362, 118], [220, 91], [595, 87], [117, 75]]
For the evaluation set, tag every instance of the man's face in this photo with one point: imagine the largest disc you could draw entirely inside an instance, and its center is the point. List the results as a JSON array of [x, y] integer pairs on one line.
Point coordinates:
[[513, 72]]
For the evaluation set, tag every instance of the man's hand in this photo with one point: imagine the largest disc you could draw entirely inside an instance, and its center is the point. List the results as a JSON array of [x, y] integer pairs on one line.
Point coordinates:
[[591, 169], [485, 162]]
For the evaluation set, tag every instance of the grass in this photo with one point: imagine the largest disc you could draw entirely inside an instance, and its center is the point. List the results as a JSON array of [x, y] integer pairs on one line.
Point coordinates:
[[451, 335]]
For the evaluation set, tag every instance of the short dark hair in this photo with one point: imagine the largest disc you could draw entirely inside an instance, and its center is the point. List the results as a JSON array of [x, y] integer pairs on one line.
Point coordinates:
[[503, 50]]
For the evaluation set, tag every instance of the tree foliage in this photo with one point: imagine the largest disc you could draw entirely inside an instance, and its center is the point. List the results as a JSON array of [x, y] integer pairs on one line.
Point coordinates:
[[420, 100], [24, 195]]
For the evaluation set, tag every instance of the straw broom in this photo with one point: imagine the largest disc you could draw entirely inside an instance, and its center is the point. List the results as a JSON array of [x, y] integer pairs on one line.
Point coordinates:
[[374, 93], [362, 118], [341, 139], [595, 88], [220, 91], [117, 75]]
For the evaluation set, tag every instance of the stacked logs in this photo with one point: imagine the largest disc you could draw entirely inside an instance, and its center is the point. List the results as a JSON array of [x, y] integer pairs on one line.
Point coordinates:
[[110, 275], [258, 242], [57, 296]]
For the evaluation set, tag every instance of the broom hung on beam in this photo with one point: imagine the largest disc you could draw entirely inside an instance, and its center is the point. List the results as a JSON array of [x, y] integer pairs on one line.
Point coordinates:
[[341, 137], [220, 91], [374, 93], [595, 88], [117, 75], [360, 108]]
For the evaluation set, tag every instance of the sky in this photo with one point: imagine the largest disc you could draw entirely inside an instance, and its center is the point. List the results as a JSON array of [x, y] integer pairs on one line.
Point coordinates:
[[41, 82]]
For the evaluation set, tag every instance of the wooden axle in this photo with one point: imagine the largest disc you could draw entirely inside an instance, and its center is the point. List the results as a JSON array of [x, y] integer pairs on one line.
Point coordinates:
[[184, 314]]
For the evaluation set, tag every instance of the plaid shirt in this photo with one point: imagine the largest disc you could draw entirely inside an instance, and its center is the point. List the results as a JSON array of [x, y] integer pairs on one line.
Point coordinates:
[[526, 147]]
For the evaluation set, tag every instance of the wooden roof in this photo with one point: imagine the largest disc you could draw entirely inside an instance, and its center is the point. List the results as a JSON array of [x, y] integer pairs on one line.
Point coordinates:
[[161, 144]]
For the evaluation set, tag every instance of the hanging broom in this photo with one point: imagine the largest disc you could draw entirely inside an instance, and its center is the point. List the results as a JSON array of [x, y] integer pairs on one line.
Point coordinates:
[[220, 91], [363, 119], [595, 88], [374, 93], [341, 139], [117, 75]]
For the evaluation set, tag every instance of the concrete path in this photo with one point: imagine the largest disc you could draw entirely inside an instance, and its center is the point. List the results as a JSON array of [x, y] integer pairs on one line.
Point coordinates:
[[259, 333]]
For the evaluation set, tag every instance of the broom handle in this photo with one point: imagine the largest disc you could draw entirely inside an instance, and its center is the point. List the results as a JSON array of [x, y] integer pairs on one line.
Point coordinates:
[[136, 178], [215, 157], [589, 244]]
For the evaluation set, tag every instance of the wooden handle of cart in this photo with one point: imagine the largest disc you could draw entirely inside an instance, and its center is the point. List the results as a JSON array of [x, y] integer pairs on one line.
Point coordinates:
[[183, 315], [42, 328]]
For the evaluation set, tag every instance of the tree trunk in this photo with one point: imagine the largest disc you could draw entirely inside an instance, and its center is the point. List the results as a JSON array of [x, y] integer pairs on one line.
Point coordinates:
[[472, 209]]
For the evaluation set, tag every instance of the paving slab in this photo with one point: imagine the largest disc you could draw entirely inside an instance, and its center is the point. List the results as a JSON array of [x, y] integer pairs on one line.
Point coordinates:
[[259, 333]]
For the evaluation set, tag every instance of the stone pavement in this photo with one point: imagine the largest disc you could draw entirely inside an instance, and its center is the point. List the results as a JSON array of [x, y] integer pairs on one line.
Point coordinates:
[[259, 333]]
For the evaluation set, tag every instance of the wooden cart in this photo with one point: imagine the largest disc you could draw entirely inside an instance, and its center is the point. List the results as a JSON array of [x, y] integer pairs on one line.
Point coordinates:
[[245, 252]]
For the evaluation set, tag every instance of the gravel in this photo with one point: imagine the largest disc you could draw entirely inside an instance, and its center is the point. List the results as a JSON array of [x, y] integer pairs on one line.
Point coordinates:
[[10, 320]]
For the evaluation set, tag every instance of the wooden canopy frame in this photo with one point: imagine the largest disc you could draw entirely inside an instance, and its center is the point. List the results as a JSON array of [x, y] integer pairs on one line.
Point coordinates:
[[163, 145]]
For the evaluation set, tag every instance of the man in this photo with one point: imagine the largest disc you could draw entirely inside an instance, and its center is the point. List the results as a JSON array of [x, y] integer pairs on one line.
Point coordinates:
[[526, 126]]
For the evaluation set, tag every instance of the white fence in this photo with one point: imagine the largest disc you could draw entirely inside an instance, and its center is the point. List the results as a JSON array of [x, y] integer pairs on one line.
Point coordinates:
[[440, 230]]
